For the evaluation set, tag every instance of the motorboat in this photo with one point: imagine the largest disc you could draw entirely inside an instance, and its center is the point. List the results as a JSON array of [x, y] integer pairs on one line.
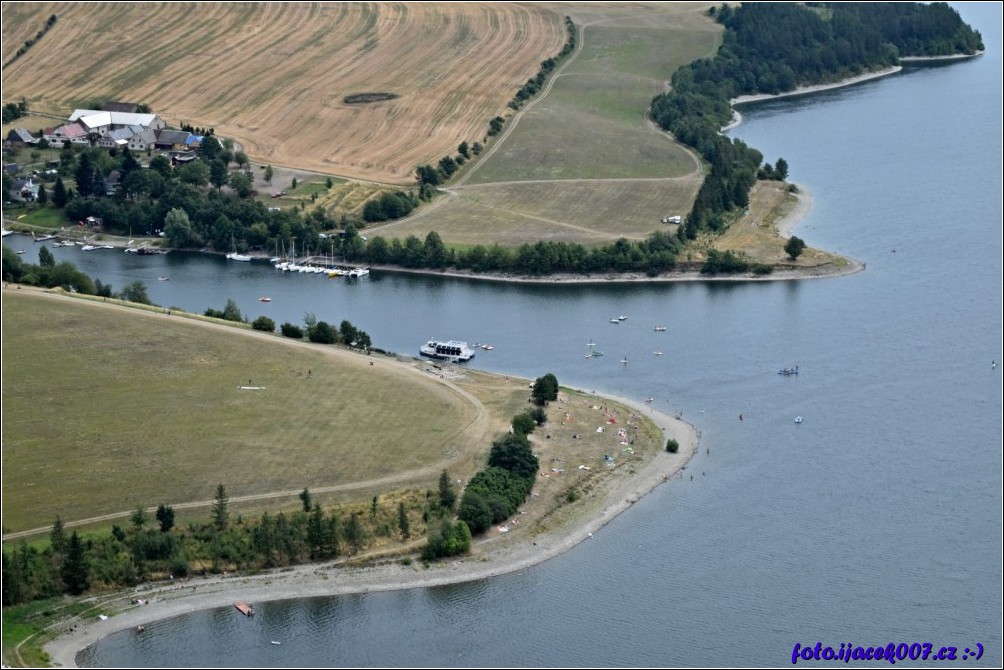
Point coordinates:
[[264, 298], [622, 318], [660, 329], [615, 320], [798, 419], [164, 278], [487, 347]]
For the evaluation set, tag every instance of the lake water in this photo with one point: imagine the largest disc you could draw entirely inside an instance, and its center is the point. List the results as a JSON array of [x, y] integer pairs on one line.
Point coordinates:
[[876, 520]]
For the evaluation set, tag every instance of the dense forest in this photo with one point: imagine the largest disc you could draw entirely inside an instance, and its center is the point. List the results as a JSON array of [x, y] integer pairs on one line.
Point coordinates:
[[775, 47]]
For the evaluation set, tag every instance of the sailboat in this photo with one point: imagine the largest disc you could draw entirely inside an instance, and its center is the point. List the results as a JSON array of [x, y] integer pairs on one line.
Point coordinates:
[[234, 256]]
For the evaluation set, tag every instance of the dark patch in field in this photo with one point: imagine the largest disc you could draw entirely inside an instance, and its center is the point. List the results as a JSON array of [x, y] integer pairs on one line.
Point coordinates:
[[360, 98]]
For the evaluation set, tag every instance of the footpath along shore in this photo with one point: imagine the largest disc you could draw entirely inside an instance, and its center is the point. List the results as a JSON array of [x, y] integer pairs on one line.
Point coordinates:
[[496, 556]]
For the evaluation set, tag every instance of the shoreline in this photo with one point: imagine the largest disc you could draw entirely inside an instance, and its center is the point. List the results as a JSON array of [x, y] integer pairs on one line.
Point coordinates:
[[489, 558], [737, 118], [785, 225]]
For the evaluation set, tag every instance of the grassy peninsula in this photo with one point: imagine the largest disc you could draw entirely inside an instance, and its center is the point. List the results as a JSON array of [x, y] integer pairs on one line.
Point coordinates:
[[114, 410]]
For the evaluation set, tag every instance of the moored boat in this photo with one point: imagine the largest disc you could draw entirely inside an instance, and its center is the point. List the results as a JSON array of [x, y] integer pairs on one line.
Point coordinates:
[[244, 608], [452, 351]]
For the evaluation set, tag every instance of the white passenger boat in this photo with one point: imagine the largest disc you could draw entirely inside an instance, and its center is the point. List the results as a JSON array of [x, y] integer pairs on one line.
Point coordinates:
[[450, 351]]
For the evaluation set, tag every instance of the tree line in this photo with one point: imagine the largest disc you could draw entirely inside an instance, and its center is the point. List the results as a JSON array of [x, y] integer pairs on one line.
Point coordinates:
[[653, 255], [142, 551], [29, 43], [495, 493], [533, 85]]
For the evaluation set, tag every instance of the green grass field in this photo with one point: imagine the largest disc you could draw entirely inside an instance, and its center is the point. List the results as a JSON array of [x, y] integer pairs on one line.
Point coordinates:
[[110, 407], [592, 123], [587, 212], [107, 410]]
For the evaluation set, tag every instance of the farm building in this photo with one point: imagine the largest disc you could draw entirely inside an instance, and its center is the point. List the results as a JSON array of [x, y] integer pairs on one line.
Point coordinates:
[[104, 122], [20, 137]]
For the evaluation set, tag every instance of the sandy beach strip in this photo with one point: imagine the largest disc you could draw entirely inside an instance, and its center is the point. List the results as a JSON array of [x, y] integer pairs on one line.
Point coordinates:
[[489, 558]]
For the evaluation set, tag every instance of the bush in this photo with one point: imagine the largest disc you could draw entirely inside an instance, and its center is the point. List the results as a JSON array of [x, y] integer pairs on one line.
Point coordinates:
[[672, 446], [447, 539], [264, 323], [474, 511], [291, 330], [322, 333], [523, 423], [539, 415]]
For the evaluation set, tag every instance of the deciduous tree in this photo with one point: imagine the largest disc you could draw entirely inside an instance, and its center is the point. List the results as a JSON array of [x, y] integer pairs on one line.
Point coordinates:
[[793, 247]]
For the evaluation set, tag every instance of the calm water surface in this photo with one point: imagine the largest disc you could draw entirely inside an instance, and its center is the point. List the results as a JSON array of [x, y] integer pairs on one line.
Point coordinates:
[[876, 520]]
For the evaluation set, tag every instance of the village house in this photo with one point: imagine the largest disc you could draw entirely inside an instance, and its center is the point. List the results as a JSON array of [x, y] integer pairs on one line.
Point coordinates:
[[172, 140], [143, 140], [20, 137], [74, 132], [24, 190]]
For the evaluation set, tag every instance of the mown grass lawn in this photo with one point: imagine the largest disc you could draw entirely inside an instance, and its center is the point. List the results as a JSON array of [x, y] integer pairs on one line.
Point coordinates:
[[107, 410]]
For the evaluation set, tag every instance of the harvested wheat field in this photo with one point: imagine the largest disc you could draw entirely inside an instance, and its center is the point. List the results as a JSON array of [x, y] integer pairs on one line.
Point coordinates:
[[274, 75]]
